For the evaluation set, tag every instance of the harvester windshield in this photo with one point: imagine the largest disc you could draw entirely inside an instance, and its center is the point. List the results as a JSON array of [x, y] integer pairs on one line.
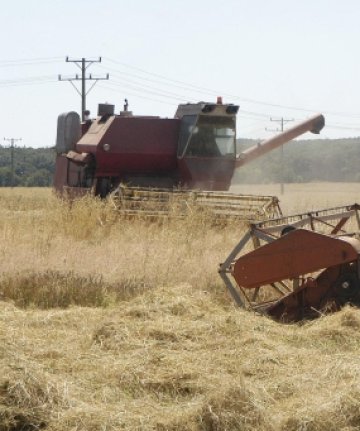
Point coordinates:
[[209, 136]]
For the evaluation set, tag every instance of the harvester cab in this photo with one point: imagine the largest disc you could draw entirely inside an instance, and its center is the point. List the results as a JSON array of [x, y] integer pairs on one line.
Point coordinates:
[[207, 145], [145, 163]]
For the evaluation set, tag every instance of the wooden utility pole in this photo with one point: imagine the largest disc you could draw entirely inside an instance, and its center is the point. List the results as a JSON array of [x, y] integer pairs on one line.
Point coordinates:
[[83, 64], [281, 120], [12, 146]]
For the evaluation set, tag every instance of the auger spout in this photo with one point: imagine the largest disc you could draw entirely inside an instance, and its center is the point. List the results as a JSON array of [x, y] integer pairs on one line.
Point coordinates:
[[313, 125]]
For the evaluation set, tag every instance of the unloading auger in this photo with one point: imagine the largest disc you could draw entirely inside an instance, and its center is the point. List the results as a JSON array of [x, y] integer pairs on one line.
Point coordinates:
[[301, 266]]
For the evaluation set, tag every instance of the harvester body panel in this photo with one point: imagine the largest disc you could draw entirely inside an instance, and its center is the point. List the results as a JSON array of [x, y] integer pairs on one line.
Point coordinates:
[[132, 145]]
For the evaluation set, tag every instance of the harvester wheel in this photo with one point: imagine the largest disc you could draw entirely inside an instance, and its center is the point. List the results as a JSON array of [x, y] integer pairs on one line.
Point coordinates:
[[347, 287], [103, 187]]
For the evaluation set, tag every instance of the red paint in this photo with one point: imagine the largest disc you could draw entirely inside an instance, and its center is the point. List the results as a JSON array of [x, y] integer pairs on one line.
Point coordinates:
[[137, 146]]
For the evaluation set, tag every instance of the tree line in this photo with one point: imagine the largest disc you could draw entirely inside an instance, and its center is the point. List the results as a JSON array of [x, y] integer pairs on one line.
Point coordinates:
[[33, 167], [335, 160]]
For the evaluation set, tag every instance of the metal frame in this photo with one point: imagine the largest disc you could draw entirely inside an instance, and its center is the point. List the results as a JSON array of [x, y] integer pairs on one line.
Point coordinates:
[[330, 221], [155, 202]]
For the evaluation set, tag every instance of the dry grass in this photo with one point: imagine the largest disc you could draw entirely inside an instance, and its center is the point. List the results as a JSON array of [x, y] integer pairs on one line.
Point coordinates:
[[304, 197], [108, 324]]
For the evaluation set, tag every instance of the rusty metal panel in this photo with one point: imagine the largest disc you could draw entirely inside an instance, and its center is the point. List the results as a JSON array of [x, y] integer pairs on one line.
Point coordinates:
[[298, 252], [78, 158]]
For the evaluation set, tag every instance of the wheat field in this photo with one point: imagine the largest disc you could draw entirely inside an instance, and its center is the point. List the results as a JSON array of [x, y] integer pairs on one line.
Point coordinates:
[[113, 324]]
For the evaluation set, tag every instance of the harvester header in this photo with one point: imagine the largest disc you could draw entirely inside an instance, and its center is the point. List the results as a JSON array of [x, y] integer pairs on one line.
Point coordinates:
[[301, 266]]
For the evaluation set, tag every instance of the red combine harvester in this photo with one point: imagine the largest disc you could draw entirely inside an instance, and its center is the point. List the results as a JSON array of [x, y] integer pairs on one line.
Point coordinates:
[[145, 163]]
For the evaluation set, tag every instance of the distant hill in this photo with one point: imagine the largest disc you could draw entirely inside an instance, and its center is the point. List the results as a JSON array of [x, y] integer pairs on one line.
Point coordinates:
[[304, 161]]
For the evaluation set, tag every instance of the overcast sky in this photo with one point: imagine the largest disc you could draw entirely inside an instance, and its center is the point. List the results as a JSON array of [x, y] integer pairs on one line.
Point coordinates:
[[275, 58]]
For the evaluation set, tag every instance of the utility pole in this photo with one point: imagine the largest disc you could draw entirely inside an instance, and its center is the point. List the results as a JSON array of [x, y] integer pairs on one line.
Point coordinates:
[[83, 65], [282, 121], [12, 146]]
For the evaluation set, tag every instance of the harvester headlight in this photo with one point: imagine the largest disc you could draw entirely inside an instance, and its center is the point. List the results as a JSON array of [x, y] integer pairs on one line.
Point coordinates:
[[208, 108], [232, 109], [106, 147]]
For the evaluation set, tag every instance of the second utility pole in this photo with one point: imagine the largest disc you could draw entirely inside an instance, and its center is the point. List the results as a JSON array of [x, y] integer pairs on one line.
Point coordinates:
[[282, 121], [12, 146], [83, 64]]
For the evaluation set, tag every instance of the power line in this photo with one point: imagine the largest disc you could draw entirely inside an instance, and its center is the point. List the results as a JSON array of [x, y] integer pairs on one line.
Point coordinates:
[[141, 96], [29, 80], [29, 61], [234, 97], [83, 65], [155, 91], [163, 80], [142, 89], [207, 90], [186, 87]]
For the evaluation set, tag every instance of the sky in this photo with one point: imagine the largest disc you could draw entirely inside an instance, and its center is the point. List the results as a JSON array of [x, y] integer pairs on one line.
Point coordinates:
[[275, 58]]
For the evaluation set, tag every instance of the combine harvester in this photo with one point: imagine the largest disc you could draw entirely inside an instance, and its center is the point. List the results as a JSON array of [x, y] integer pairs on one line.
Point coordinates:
[[149, 165], [300, 267]]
